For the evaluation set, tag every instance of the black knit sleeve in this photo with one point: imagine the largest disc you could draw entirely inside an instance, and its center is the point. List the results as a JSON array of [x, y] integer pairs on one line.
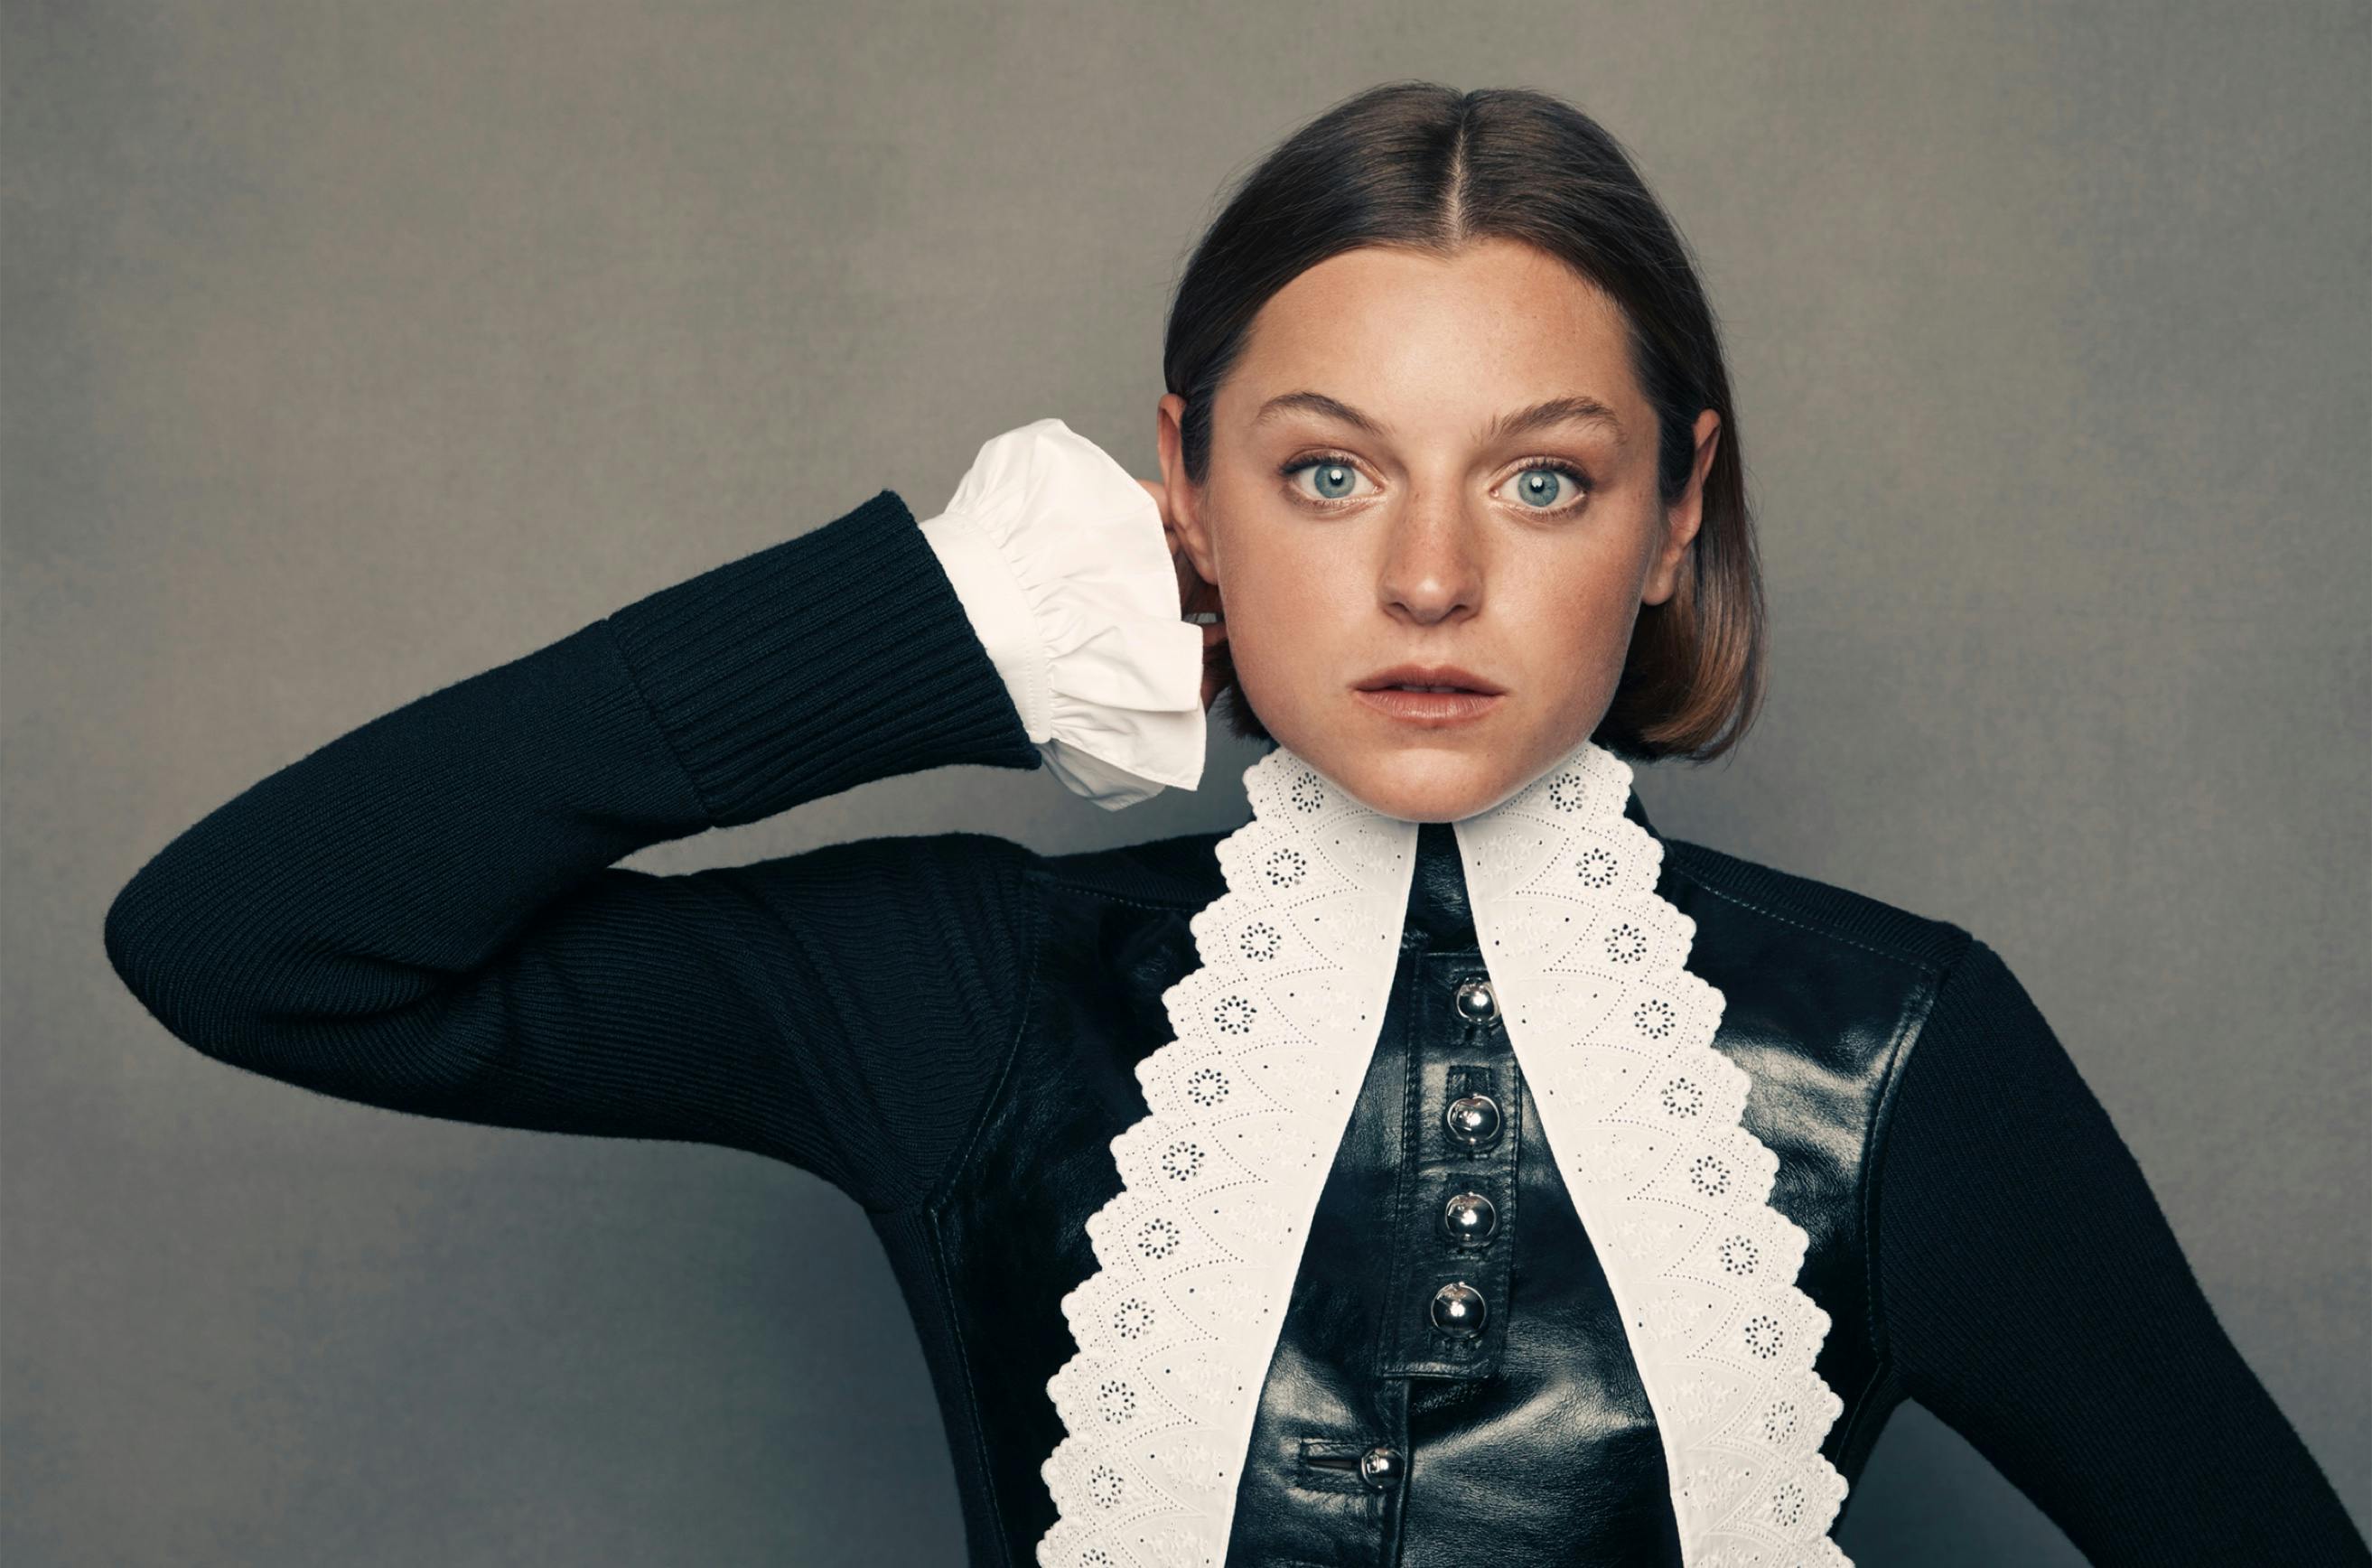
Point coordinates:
[[2032, 1295], [423, 914]]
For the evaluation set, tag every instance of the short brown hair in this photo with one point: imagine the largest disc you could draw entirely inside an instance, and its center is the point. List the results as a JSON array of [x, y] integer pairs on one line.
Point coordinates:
[[1423, 166]]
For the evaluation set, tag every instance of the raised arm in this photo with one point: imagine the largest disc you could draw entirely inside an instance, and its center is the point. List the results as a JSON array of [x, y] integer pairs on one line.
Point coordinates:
[[423, 914], [2033, 1296]]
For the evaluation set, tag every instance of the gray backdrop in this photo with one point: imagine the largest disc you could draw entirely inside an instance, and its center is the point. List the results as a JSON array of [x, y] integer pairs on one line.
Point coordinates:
[[352, 348]]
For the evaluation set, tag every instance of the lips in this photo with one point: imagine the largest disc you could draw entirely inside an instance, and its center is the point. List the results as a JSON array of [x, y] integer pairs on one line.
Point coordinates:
[[1428, 710], [1428, 678]]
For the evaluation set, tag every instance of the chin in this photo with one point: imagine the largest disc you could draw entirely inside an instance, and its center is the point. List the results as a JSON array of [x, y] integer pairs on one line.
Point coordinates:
[[1420, 785]]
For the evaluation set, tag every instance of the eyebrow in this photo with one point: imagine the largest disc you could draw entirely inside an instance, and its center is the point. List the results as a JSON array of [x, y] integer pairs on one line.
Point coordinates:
[[1577, 409]]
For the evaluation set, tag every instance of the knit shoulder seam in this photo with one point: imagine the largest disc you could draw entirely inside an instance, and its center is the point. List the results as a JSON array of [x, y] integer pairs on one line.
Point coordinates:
[[1911, 1032], [733, 878], [944, 1180]]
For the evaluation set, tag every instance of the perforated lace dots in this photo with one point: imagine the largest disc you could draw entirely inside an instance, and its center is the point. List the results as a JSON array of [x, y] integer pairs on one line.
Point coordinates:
[[1709, 1176]]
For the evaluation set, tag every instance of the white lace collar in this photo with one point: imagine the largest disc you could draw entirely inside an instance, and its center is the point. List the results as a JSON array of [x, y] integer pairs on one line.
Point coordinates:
[[1249, 1103]]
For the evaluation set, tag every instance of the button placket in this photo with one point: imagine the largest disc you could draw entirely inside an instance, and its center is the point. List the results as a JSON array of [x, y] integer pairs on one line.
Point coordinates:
[[1450, 1317]]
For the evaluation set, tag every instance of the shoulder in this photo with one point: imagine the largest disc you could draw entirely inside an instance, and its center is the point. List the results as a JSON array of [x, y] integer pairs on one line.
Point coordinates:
[[1827, 991], [1788, 911], [1828, 970]]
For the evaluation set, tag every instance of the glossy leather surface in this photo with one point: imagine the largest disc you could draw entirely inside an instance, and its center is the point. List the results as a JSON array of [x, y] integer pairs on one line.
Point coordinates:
[[1519, 1448]]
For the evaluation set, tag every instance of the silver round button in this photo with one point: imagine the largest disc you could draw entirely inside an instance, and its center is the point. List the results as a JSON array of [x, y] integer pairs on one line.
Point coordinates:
[[1472, 1120], [1469, 1219], [1458, 1308], [1380, 1468], [1477, 1001]]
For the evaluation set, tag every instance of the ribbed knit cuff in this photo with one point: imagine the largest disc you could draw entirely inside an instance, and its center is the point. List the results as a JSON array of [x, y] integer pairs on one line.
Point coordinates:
[[826, 661]]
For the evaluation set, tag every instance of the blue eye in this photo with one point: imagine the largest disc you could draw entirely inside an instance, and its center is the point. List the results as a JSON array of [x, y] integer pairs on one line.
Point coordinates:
[[1535, 484], [1336, 479]]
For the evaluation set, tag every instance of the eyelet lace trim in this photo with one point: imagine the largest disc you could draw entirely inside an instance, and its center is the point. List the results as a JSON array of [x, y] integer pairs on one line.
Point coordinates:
[[1615, 1038], [1248, 1104]]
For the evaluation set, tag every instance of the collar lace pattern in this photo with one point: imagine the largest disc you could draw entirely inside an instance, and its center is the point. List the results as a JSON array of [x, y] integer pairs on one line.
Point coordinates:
[[1197, 1253]]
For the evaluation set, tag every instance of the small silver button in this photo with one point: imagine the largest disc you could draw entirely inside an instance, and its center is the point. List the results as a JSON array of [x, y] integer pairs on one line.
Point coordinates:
[[1469, 1219], [1477, 1001], [1458, 1308], [1380, 1468], [1472, 1120]]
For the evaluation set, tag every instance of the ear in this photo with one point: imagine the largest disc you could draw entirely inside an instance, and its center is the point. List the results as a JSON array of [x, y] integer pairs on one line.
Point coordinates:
[[1185, 499], [1684, 517]]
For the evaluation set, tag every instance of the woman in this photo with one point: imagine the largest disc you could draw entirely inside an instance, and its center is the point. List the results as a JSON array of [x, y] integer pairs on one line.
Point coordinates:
[[1443, 1165]]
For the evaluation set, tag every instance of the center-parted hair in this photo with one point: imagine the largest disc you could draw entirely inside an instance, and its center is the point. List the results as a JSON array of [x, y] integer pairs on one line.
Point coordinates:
[[1427, 167]]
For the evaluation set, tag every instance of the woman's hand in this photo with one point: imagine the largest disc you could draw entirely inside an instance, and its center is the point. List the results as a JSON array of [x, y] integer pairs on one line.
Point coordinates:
[[1194, 595]]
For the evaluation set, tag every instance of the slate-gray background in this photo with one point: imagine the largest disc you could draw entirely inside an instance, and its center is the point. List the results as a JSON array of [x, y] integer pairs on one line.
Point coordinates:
[[352, 348]]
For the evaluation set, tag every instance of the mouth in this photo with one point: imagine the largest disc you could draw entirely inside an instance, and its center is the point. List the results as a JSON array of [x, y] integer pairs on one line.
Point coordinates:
[[1429, 696], [1429, 678]]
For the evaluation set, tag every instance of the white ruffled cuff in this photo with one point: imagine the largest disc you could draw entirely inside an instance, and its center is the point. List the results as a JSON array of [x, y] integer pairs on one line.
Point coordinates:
[[1057, 553]]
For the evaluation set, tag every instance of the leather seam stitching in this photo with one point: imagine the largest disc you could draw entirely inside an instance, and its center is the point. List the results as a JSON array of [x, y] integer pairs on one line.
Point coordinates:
[[1859, 1408], [1909, 1030], [1725, 894], [971, 1388]]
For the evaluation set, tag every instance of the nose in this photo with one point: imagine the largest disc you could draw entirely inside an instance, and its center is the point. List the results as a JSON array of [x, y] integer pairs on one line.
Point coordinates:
[[1431, 569]]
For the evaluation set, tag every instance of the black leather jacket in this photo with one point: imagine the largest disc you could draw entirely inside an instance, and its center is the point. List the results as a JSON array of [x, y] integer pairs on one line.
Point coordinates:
[[1536, 1435]]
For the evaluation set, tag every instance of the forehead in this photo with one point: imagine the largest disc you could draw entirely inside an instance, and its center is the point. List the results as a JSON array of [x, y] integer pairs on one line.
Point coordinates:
[[1413, 337]]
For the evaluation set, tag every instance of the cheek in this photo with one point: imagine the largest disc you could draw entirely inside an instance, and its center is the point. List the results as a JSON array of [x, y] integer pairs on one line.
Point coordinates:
[[1304, 612], [1284, 584], [1586, 611], [1575, 616], [1293, 614]]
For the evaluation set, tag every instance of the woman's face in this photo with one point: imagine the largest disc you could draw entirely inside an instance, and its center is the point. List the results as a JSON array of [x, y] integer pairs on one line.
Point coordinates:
[[1375, 499]]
